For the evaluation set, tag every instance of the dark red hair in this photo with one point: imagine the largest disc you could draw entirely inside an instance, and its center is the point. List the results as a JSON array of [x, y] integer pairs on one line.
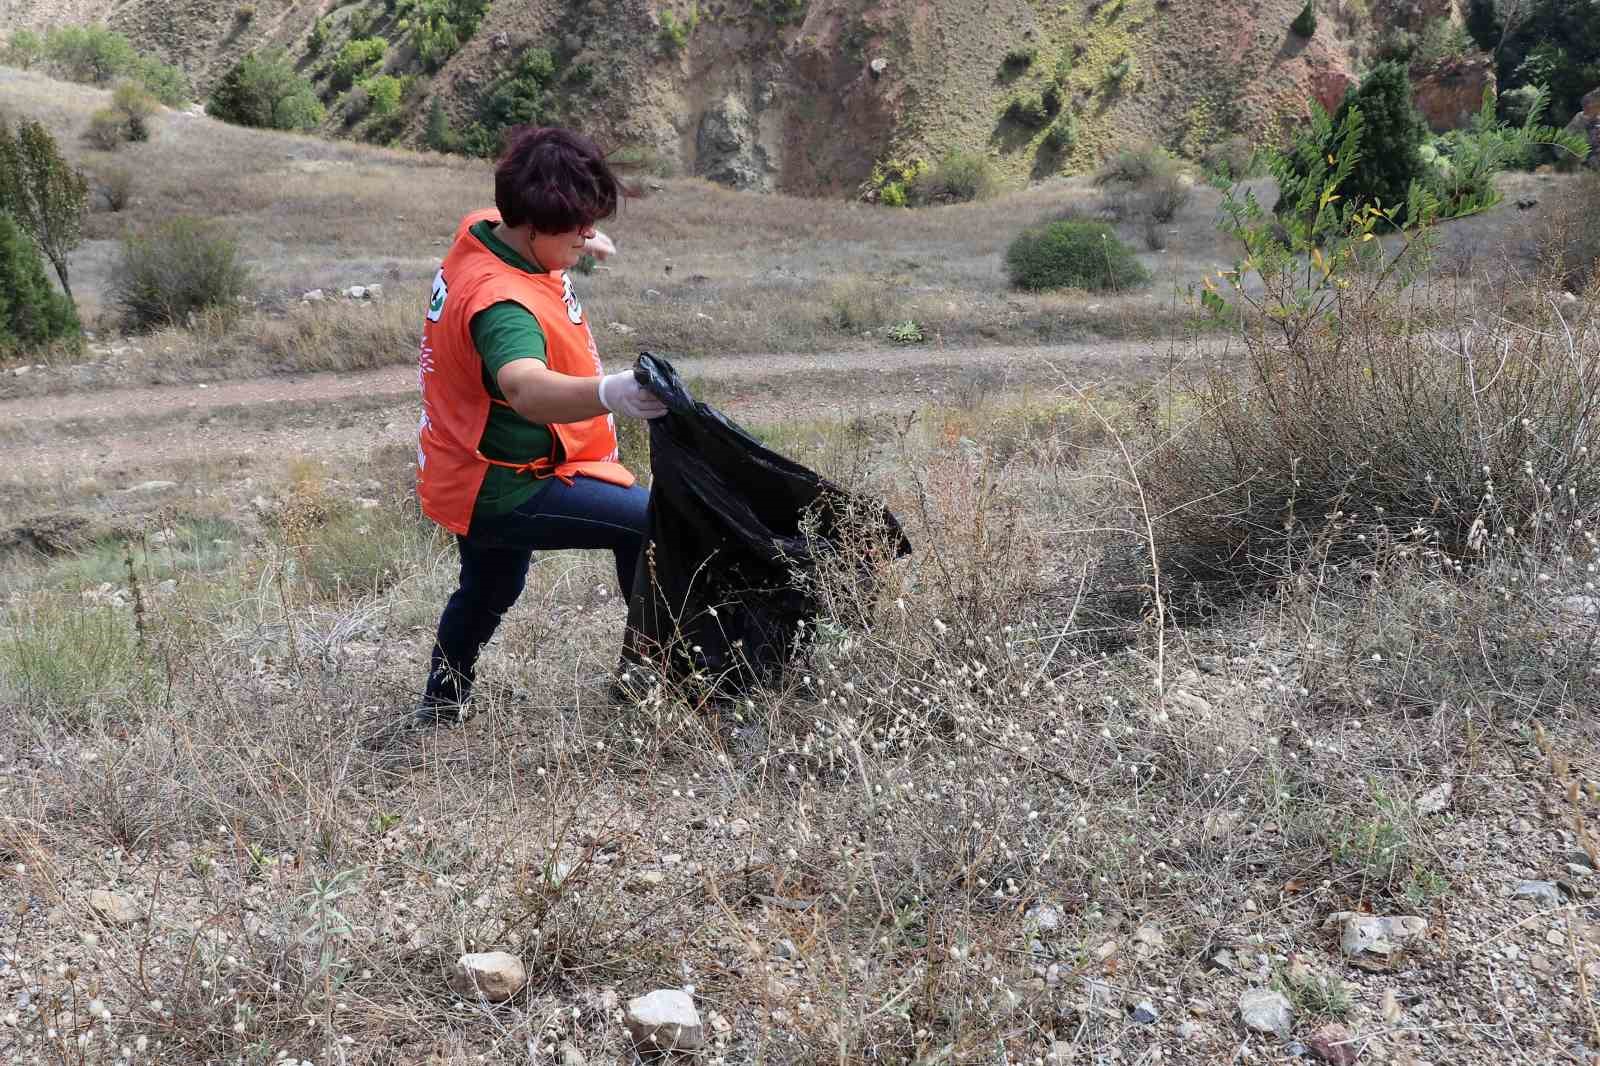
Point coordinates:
[[554, 180]]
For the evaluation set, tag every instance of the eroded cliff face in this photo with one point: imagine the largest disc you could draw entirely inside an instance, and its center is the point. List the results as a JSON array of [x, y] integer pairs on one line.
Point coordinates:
[[807, 96]]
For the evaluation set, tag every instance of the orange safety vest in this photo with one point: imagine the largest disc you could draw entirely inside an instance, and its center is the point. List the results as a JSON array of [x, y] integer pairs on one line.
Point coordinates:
[[455, 403]]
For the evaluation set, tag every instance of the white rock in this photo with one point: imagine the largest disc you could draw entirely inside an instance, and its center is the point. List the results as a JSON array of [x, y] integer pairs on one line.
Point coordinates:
[[150, 486], [665, 1020], [1042, 919], [1219, 824], [738, 827], [646, 880], [878, 66], [571, 1056], [1190, 702], [1435, 799], [114, 908], [1362, 933], [621, 329], [356, 292], [1147, 940], [1542, 892], [493, 975], [314, 296], [1266, 1011]]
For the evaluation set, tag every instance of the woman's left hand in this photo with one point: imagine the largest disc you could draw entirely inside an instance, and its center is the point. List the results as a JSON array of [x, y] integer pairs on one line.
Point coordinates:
[[600, 246]]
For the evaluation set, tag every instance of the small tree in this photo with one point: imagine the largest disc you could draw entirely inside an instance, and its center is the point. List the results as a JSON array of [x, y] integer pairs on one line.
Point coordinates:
[[178, 267], [1069, 254], [438, 135], [32, 313], [1305, 23], [264, 90], [89, 53], [47, 197]]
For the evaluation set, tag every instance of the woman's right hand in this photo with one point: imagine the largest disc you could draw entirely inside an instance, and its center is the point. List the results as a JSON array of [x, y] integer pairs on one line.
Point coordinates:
[[622, 395]]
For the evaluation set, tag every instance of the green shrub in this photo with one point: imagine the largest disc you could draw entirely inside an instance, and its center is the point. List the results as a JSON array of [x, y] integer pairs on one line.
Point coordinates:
[[70, 658], [958, 177], [178, 267], [1071, 254], [137, 104], [1029, 108], [1062, 135], [1517, 105], [1019, 59], [116, 185], [108, 129], [165, 82], [674, 35], [1305, 23], [43, 193], [1396, 45], [1392, 132], [263, 89], [357, 59], [783, 12], [23, 49], [438, 135], [893, 194], [89, 53], [1229, 160], [1122, 70], [1134, 165], [383, 93], [317, 39], [1554, 43], [518, 97], [438, 28], [1442, 39], [32, 312]]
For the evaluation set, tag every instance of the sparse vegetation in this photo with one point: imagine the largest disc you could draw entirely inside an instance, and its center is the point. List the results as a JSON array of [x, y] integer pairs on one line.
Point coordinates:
[[518, 97], [438, 28], [93, 54], [1070, 254], [23, 49], [1062, 134], [358, 58], [1030, 108], [264, 90], [175, 269], [957, 178]]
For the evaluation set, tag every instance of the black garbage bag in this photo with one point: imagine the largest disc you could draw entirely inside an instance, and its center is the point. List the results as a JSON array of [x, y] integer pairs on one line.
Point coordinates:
[[721, 594]]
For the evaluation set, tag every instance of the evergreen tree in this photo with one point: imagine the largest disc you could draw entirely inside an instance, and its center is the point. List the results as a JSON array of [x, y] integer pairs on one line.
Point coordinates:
[[44, 195], [1305, 23], [265, 90], [31, 311], [1392, 134]]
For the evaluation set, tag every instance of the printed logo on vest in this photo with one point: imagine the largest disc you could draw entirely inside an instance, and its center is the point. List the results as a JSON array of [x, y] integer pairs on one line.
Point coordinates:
[[568, 297], [441, 292]]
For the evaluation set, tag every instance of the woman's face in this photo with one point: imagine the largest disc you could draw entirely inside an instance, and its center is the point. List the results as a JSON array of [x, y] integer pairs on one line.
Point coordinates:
[[559, 251]]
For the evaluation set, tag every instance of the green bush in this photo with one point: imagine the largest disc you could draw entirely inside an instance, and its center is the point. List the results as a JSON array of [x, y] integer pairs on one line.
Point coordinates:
[[317, 39], [958, 177], [1554, 43], [892, 194], [1121, 71], [1305, 23], [175, 269], [439, 28], [357, 59], [89, 53], [383, 94], [32, 312], [263, 89], [1134, 165], [1442, 39], [1062, 135], [438, 135], [43, 193], [1029, 108], [674, 35], [1019, 59], [1072, 254], [23, 49], [164, 81], [518, 97], [1229, 160]]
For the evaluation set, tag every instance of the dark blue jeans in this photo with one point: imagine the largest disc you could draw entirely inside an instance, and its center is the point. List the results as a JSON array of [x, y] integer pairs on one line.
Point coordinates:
[[495, 555]]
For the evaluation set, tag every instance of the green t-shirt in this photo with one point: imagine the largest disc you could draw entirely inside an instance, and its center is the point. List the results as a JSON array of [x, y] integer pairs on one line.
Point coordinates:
[[503, 333]]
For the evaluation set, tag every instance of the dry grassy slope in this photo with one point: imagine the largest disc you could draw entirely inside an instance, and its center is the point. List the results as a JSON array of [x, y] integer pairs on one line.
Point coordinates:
[[1201, 70]]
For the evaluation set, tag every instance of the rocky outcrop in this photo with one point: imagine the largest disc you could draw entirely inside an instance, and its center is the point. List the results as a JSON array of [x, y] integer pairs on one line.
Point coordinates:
[[1328, 86], [1586, 123], [1449, 93], [727, 150]]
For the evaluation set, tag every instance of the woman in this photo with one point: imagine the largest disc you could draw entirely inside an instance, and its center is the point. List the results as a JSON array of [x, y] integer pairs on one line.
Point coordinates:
[[517, 450]]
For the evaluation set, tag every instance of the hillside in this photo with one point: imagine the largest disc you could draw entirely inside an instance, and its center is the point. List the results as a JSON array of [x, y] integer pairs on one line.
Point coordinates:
[[806, 97]]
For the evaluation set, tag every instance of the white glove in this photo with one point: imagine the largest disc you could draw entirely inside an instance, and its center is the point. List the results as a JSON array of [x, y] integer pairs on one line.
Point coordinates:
[[621, 395], [600, 246]]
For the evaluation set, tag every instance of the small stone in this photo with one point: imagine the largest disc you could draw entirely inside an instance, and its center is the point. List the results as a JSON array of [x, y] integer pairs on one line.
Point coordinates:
[[878, 66], [646, 880], [1435, 799], [1147, 940], [167, 587], [374, 292], [1363, 934], [571, 1056], [1190, 702], [150, 486], [261, 504], [1544, 893], [738, 827], [1265, 1011], [492, 975], [1143, 1013], [1333, 1043], [785, 949], [652, 294], [621, 329], [1511, 953], [665, 1020], [1042, 919], [1556, 938], [356, 292], [313, 297], [1097, 993], [114, 908], [1060, 1054], [1188, 1029]]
